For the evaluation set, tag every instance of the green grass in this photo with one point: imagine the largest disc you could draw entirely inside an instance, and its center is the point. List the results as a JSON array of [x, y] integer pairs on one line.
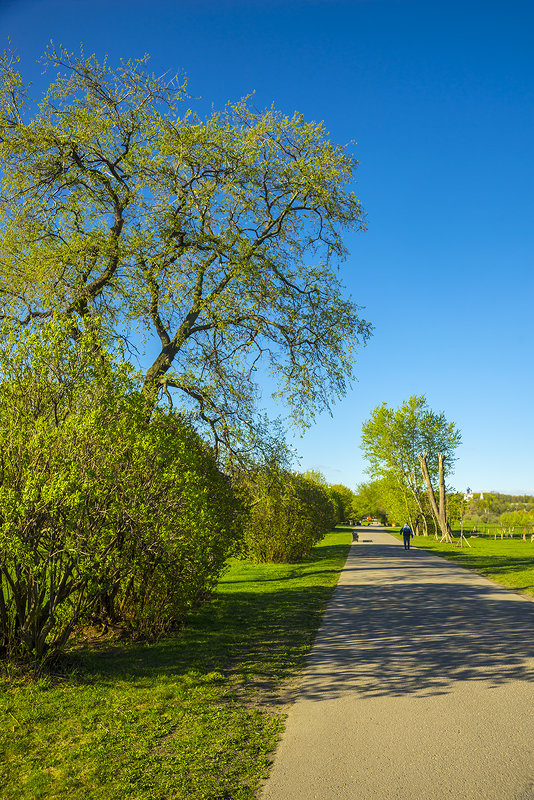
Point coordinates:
[[195, 716], [509, 562]]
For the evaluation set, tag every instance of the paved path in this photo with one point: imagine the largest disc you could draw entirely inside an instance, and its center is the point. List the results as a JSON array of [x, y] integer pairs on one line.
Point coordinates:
[[420, 686]]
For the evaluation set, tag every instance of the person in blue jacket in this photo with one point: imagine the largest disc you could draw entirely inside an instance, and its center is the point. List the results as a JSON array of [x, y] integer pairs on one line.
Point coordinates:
[[406, 533]]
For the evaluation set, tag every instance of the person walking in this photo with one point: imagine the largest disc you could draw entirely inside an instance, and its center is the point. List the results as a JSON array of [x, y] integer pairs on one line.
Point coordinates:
[[406, 533]]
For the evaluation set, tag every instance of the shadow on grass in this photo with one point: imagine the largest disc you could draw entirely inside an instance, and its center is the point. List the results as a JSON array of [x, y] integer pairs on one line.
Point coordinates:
[[498, 558], [494, 563], [410, 624], [256, 631]]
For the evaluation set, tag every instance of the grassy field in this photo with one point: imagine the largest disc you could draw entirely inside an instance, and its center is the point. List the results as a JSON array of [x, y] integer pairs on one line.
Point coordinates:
[[507, 561], [193, 717]]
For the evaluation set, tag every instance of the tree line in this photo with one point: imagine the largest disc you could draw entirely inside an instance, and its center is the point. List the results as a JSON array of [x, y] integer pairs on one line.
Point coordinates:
[[494, 507]]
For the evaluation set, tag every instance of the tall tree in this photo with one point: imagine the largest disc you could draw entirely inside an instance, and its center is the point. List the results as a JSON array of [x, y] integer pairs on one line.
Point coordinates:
[[414, 446], [218, 239], [439, 512]]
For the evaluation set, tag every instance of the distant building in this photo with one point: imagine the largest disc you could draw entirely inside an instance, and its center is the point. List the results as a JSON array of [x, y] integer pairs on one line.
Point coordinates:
[[468, 494]]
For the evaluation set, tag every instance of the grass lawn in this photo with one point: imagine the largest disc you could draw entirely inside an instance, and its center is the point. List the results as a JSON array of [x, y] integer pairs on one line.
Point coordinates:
[[508, 561], [194, 716]]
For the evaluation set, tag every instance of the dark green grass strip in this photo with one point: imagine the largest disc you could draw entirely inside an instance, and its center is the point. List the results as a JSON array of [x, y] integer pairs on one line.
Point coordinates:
[[193, 717]]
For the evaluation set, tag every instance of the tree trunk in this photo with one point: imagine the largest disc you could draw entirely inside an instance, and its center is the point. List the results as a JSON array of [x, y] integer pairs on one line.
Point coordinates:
[[421, 511], [440, 514], [444, 523]]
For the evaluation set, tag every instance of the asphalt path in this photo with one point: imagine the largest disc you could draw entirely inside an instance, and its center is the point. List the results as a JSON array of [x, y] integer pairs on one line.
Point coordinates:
[[419, 686]]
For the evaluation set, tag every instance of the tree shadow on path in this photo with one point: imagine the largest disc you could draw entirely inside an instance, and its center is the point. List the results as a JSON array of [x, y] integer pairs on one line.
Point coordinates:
[[414, 624]]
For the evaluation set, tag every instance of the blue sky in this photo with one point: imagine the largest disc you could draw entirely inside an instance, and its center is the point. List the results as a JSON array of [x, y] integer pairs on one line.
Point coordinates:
[[439, 98]]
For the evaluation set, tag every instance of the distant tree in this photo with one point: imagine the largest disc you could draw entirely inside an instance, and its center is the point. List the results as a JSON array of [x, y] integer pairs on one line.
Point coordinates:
[[344, 498], [216, 238], [523, 519], [413, 447], [371, 499], [488, 507]]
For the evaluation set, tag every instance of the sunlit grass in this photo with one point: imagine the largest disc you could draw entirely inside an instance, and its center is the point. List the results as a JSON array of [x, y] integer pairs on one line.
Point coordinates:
[[193, 717]]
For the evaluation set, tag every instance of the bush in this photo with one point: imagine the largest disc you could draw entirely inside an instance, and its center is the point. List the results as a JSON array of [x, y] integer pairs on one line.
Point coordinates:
[[179, 520], [108, 506], [287, 515]]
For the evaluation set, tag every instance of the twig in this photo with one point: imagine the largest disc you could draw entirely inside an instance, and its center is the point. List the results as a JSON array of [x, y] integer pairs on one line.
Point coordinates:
[[16, 720]]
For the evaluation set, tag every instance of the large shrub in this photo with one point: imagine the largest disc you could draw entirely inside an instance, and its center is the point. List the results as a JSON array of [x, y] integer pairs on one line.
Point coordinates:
[[178, 519], [108, 506], [287, 514]]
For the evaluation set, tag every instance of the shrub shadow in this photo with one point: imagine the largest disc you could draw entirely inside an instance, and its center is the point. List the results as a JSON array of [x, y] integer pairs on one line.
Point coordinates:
[[406, 626], [258, 637]]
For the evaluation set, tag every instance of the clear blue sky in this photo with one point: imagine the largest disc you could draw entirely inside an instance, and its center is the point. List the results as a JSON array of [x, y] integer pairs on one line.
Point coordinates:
[[439, 98]]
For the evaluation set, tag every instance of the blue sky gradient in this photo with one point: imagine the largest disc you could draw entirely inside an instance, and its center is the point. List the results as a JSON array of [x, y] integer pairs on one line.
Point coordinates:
[[439, 98]]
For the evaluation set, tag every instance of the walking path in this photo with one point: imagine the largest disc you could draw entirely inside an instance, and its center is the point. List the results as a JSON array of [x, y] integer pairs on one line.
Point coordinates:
[[420, 686]]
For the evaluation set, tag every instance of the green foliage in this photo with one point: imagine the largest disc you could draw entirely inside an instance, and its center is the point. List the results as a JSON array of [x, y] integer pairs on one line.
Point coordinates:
[[393, 441], [219, 238], [288, 513], [492, 506], [456, 507], [518, 518], [107, 505], [180, 520], [335, 511], [343, 497], [380, 499]]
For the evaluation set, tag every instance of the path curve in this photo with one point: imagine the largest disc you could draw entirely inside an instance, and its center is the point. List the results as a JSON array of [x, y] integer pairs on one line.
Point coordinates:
[[420, 685]]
